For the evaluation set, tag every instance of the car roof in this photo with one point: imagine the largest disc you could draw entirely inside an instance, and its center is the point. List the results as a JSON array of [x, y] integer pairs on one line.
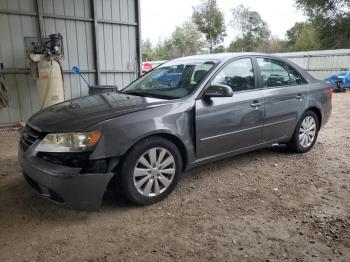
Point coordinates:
[[223, 56]]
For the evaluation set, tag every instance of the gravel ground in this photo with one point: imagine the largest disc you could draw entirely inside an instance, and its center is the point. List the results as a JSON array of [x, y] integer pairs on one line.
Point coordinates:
[[267, 205]]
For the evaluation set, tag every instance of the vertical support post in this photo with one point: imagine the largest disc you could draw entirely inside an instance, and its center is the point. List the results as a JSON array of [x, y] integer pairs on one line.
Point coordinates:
[[138, 38], [39, 5], [308, 63], [96, 49]]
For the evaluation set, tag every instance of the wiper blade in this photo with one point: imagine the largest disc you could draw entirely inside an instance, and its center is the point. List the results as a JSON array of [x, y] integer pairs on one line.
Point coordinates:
[[134, 93], [146, 94]]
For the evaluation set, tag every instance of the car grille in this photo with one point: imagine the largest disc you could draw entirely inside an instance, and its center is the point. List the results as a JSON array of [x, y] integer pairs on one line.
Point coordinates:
[[29, 137]]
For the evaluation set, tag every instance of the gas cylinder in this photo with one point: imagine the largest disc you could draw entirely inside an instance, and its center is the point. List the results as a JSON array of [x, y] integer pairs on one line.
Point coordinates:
[[49, 82]]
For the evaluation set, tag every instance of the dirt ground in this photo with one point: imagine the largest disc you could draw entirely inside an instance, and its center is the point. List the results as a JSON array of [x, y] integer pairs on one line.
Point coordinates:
[[268, 205]]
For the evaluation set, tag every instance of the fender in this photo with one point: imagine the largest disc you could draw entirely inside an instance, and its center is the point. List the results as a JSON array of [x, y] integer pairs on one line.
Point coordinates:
[[123, 132]]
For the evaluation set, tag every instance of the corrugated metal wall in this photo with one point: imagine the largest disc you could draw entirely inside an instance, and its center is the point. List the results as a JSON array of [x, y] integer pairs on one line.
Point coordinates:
[[321, 64], [100, 36]]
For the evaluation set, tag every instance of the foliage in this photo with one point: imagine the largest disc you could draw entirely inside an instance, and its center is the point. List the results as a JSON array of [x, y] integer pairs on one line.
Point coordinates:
[[253, 30], [184, 41], [331, 21], [219, 49], [273, 45], [303, 37], [328, 9], [162, 50], [237, 45], [294, 33], [210, 21], [327, 27], [147, 50]]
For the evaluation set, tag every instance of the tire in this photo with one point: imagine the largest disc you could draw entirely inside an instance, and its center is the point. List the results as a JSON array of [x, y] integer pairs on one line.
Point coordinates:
[[144, 178], [304, 145]]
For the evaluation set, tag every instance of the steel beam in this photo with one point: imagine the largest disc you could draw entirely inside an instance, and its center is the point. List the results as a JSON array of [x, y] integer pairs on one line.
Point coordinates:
[[95, 35], [13, 12], [104, 21], [138, 38], [71, 18], [117, 71], [39, 5]]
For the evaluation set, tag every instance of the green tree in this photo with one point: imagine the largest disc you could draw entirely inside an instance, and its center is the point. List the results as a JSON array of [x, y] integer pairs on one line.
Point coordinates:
[[219, 49], [330, 19], [303, 37], [237, 45], [294, 33], [186, 40], [210, 21], [162, 50], [147, 50], [253, 30], [273, 45], [308, 40]]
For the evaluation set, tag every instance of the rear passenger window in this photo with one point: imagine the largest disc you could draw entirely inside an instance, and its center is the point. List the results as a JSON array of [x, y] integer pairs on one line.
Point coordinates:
[[273, 72], [295, 77], [276, 73], [239, 75]]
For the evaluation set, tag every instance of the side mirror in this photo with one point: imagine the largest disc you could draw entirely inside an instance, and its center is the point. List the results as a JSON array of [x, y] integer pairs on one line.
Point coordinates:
[[218, 91]]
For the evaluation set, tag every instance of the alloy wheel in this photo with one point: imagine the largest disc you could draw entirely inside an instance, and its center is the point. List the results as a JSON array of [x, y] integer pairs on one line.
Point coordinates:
[[307, 131], [154, 172]]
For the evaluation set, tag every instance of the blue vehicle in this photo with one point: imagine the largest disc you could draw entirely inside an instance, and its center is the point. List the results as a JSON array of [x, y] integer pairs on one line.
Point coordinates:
[[169, 79], [339, 81], [345, 78]]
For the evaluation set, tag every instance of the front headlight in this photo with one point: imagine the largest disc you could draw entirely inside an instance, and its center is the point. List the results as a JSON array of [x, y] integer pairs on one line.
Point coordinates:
[[69, 142]]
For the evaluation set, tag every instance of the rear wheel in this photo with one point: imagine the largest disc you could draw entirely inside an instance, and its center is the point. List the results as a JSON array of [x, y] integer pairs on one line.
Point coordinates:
[[305, 133], [151, 171]]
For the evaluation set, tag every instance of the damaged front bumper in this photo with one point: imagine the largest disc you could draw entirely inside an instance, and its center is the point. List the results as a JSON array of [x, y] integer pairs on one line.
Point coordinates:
[[63, 185]]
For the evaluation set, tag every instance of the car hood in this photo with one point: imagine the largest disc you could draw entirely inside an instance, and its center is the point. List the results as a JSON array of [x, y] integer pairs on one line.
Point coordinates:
[[78, 114]]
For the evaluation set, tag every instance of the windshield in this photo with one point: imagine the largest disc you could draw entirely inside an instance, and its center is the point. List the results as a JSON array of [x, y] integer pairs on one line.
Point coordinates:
[[171, 80]]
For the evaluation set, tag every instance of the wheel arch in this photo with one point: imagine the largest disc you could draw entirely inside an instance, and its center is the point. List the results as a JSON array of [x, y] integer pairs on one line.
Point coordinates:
[[318, 113], [178, 143], [172, 138]]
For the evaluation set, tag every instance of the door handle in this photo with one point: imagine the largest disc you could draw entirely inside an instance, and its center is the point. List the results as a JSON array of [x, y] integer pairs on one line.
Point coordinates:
[[299, 97], [256, 104]]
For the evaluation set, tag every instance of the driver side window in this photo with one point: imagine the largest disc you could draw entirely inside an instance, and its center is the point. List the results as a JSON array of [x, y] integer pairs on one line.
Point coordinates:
[[239, 75]]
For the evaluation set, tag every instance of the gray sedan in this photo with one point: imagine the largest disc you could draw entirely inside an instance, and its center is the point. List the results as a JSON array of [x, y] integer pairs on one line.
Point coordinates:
[[185, 113]]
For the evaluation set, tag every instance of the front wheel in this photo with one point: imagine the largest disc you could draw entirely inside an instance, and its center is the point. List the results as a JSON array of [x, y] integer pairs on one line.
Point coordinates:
[[305, 133], [150, 171]]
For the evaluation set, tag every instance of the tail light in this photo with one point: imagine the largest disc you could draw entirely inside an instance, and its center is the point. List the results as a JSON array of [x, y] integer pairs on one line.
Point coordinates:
[[330, 91]]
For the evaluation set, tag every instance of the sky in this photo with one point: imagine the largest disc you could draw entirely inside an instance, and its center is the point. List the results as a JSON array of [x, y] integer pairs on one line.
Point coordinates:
[[159, 18]]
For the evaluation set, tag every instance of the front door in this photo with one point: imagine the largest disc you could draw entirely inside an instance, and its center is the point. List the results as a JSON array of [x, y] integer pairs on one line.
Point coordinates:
[[228, 124]]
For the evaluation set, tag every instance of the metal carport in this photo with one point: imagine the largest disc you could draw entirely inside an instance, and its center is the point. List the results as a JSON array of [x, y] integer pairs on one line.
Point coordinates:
[[102, 37]]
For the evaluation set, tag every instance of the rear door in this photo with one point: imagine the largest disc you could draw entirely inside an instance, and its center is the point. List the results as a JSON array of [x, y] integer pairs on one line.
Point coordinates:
[[228, 124], [285, 93]]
